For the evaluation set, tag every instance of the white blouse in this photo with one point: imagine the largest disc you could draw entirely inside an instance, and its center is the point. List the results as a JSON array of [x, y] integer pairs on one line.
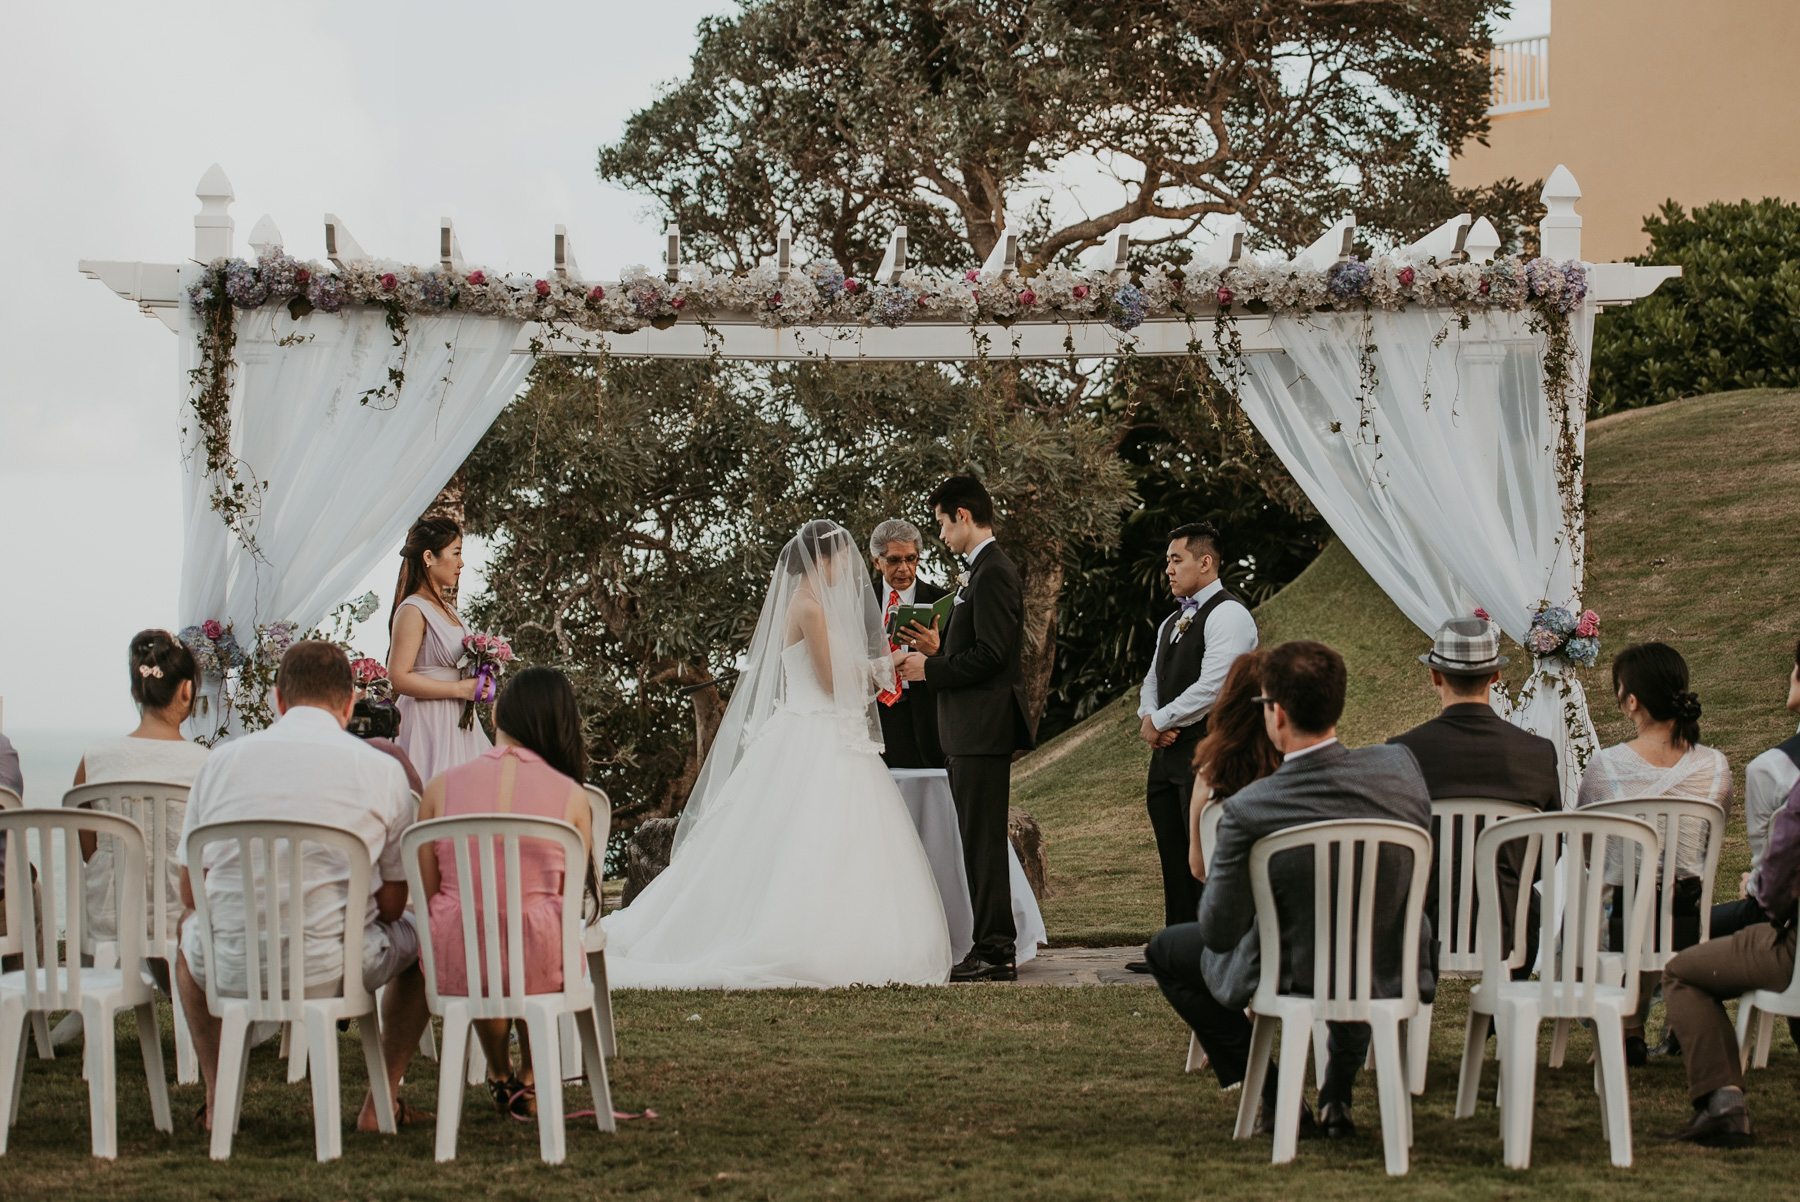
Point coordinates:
[[1702, 774], [165, 761]]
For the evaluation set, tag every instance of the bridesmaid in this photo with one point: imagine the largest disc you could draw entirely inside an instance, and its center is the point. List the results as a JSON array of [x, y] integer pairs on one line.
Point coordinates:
[[425, 641]]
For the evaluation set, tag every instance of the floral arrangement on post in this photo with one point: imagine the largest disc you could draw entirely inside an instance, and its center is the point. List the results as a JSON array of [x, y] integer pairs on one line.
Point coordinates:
[[1556, 633], [484, 657]]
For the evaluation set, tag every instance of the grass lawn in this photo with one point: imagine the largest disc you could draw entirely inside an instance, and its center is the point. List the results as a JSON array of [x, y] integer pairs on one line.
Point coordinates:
[[977, 1092], [1692, 507]]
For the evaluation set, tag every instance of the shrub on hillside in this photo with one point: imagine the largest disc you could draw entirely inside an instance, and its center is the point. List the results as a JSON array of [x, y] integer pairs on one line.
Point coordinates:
[[1731, 321]]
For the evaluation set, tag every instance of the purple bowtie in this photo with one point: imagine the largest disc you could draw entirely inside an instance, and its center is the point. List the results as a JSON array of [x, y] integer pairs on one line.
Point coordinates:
[[1188, 604]]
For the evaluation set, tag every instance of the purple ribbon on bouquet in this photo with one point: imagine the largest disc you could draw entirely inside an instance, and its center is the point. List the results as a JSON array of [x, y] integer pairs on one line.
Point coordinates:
[[487, 684]]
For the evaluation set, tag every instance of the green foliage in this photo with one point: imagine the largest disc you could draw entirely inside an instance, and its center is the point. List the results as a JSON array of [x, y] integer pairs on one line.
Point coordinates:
[[955, 117], [1731, 321], [637, 512]]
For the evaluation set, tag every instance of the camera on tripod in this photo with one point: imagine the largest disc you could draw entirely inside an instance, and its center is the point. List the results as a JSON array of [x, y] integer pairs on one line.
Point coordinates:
[[372, 719]]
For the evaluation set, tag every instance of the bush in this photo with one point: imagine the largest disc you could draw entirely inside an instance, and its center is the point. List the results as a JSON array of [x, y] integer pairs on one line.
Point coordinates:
[[1731, 321]]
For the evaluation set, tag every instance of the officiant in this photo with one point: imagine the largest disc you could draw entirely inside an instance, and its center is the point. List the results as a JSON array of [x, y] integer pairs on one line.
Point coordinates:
[[909, 724], [1195, 647]]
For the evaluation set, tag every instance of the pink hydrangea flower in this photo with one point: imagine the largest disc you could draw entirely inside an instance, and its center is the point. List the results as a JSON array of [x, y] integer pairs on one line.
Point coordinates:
[[477, 277], [389, 282], [302, 276], [1407, 277], [211, 628], [596, 294], [972, 275], [1080, 291], [1028, 298], [851, 287], [543, 287], [678, 302], [1483, 614], [1589, 626], [1226, 296]]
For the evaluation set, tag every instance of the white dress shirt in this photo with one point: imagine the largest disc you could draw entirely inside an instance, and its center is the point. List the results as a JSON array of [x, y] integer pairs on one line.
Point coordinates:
[[1320, 745], [1767, 782], [984, 545], [1230, 632], [304, 768]]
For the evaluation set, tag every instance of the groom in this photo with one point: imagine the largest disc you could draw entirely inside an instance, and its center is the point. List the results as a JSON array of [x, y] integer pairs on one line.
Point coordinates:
[[974, 671]]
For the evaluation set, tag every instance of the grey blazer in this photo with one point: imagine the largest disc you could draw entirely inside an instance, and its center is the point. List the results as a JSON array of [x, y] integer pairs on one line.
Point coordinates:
[[1333, 782]]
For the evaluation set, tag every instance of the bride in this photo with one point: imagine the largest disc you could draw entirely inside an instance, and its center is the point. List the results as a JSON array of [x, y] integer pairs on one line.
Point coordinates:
[[795, 863]]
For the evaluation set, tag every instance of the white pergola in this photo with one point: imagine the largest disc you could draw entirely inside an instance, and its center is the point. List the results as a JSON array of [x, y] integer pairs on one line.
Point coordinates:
[[1440, 477]]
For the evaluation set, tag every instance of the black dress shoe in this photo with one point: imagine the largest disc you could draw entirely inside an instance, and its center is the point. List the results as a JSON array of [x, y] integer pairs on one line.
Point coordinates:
[[1334, 1121], [1265, 1121], [1637, 1054], [1137, 966], [974, 969], [1729, 1129]]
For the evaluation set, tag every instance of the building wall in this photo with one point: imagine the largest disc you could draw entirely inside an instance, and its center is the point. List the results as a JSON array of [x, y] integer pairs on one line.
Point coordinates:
[[1695, 100]]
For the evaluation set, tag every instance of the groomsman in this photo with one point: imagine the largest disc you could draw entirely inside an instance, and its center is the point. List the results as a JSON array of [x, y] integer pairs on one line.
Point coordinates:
[[1195, 647], [974, 670], [909, 726]]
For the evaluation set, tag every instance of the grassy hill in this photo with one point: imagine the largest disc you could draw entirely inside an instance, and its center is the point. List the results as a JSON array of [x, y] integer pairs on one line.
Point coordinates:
[[1692, 521]]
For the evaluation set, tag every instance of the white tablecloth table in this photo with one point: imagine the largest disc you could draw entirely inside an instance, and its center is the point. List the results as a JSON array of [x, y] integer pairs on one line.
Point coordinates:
[[926, 792]]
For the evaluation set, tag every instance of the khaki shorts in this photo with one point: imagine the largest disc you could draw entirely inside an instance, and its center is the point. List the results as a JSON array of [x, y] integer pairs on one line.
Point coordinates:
[[389, 949]]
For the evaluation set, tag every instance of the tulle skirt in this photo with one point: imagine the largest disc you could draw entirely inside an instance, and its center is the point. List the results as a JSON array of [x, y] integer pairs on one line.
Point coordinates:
[[806, 872]]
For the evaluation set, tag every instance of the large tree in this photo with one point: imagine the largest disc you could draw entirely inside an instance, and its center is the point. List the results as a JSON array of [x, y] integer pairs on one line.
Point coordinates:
[[959, 118]]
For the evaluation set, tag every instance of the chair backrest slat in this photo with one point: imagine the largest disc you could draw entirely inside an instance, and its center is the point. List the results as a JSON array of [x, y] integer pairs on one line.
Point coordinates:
[[1571, 922], [151, 804], [1457, 822], [495, 968], [271, 870], [1346, 858], [53, 974], [1671, 816]]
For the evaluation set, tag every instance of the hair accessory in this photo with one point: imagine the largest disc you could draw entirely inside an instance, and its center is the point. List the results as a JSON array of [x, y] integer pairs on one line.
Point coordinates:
[[149, 670]]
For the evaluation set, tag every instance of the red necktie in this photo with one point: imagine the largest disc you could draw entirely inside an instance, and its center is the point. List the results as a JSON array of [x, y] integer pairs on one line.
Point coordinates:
[[892, 696]]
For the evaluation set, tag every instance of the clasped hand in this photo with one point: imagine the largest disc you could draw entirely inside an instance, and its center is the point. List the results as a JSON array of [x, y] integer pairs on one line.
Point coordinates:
[[910, 665], [925, 639], [1156, 738]]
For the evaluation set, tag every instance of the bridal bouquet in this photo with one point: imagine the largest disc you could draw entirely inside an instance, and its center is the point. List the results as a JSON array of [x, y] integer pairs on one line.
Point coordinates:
[[1556, 633], [484, 657], [372, 678]]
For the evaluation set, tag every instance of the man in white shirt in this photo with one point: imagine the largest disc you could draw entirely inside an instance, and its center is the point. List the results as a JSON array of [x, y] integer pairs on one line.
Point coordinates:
[[1771, 777], [306, 768], [1195, 647]]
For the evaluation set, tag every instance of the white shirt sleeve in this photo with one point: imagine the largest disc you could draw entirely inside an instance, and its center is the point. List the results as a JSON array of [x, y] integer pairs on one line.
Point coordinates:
[[1767, 782], [1230, 632], [1147, 694], [389, 867]]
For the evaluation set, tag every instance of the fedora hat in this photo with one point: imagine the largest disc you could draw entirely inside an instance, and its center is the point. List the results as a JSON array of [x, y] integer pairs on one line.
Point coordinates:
[[1465, 647]]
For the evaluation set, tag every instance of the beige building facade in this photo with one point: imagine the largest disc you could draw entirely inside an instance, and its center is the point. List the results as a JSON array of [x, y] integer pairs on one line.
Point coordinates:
[[1647, 100]]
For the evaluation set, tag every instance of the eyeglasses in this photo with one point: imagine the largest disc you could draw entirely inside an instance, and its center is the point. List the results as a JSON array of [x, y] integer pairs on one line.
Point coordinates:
[[896, 561], [1265, 702]]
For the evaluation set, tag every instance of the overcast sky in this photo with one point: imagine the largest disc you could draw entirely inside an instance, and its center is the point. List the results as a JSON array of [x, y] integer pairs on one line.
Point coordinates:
[[390, 115]]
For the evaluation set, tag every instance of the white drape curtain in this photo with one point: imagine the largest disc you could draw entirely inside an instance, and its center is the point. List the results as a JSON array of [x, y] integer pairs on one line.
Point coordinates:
[[344, 479], [1433, 458]]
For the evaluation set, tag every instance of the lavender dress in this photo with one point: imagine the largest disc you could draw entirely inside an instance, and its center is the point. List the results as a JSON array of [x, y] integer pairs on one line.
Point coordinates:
[[428, 730]]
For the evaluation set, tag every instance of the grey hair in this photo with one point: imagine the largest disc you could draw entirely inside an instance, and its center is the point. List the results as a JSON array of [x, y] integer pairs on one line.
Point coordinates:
[[894, 530]]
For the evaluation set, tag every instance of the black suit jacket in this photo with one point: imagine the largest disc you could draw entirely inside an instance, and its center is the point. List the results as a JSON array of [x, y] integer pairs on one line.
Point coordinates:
[[1332, 782], [976, 673], [909, 727], [1470, 751]]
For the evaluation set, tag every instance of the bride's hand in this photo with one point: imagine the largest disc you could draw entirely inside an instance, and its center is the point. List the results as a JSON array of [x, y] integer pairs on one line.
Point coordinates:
[[899, 656]]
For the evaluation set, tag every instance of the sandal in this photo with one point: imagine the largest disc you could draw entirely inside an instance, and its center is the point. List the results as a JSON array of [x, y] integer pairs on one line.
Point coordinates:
[[524, 1103], [406, 1116], [504, 1091]]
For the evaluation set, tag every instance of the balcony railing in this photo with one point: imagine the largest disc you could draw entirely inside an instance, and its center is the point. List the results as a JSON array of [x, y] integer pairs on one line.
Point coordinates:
[[1521, 75]]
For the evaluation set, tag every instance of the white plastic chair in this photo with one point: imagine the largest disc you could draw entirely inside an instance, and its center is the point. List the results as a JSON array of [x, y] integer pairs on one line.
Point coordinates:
[[1456, 821], [270, 869], [1572, 984], [40, 1026], [593, 942], [1764, 1005], [1343, 962], [497, 994], [152, 805], [99, 994], [1210, 817]]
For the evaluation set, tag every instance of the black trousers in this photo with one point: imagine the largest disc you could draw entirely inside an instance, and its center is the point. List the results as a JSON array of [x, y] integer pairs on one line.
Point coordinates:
[[1174, 956], [982, 788], [900, 732], [1167, 801]]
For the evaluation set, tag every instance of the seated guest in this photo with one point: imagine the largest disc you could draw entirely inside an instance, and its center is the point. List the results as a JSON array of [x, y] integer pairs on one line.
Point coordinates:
[[1699, 981], [1209, 969], [305, 768], [10, 778], [909, 723], [164, 680], [1235, 751], [1470, 751], [1767, 782], [1667, 759], [534, 769]]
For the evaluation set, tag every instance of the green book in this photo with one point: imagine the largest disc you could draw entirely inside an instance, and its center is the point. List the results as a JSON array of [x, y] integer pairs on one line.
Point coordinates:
[[905, 615]]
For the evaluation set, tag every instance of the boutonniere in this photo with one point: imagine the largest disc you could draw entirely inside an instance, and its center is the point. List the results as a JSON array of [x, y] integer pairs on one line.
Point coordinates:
[[962, 581], [1181, 625]]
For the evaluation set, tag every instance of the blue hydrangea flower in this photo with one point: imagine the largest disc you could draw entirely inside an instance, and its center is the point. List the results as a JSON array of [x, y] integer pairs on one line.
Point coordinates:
[[1542, 641], [1129, 305], [830, 282], [1557, 619], [243, 286], [1349, 278], [437, 290], [1583, 650], [281, 273], [893, 305]]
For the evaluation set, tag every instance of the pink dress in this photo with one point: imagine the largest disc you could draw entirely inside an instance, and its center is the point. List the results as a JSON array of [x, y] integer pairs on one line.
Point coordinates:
[[429, 734], [539, 791]]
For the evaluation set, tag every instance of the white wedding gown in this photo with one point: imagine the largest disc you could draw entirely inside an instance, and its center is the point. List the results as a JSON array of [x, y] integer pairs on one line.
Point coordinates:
[[806, 871]]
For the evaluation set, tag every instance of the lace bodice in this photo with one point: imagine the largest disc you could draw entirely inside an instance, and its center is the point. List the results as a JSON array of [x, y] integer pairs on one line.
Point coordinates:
[[804, 692]]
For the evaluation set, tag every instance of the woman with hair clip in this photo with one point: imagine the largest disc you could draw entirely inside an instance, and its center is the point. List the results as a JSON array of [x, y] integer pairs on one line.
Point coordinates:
[[1235, 751], [425, 642], [1667, 759], [164, 679], [535, 770]]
